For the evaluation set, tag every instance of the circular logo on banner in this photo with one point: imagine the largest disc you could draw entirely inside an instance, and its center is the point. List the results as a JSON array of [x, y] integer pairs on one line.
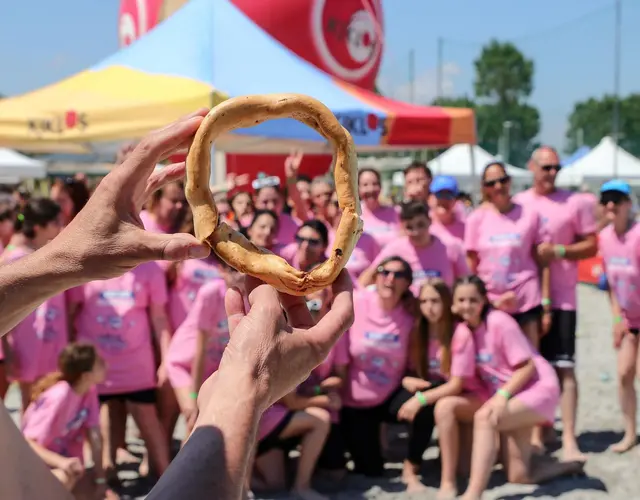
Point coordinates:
[[345, 34], [136, 18]]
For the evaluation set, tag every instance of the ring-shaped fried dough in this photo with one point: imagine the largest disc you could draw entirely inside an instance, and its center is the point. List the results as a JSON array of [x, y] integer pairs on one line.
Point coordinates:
[[231, 246]]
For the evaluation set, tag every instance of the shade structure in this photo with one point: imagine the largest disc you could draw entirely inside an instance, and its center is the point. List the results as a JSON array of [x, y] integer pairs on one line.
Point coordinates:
[[15, 167], [576, 155], [598, 166], [206, 52]]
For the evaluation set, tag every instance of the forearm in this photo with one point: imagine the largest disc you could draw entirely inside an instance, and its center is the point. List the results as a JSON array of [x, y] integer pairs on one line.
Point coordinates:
[[160, 322], [197, 369], [23, 475], [453, 387], [215, 457], [366, 278], [51, 458], [27, 283], [520, 378], [297, 402], [545, 286], [95, 442], [583, 249], [615, 307]]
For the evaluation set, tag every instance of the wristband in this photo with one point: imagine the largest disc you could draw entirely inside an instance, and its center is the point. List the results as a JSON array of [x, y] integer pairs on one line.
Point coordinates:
[[545, 302], [193, 395], [317, 390], [617, 319], [100, 480], [504, 393], [421, 398], [560, 251]]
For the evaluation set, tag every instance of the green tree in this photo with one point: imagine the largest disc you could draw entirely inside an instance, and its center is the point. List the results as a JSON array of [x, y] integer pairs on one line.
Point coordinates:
[[454, 102], [592, 119]]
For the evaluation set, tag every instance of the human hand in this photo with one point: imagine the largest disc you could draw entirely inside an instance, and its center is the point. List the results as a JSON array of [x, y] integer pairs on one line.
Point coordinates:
[[292, 164], [72, 467], [506, 302], [546, 322], [331, 383], [409, 410], [161, 374], [234, 181], [415, 384], [497, 405], [335, 402], [546, 253], [107, 238], [620, 329], [269, 354]]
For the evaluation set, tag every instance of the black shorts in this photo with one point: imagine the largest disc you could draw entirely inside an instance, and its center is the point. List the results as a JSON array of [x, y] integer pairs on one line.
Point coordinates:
[[148, 396], [533, 314], [272, 440], [634, 331], [558, 346], [333, 453]]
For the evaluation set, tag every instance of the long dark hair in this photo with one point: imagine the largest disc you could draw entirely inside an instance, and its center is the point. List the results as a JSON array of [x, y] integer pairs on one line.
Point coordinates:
[[74, 361], [36, 212], [481, 287], [77, 191], [420, 336]]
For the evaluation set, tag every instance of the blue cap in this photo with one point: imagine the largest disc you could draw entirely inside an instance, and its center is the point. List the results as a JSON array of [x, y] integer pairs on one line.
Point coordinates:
[[616, 185], [444, 183]]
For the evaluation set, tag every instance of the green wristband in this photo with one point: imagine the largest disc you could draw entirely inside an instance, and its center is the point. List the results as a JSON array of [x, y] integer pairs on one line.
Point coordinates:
[[504, 393], [617, 319], [545, 302], [560, 251], [317, 390], [193, 395], [421, 399]]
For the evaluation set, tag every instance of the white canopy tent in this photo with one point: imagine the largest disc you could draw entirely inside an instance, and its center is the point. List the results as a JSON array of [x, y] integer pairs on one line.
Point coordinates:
[[597, 166], [17, 167], [465, 162]]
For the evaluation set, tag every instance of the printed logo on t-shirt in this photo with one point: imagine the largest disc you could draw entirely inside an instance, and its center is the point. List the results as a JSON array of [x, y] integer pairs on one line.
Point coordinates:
[[78, 421], [378, 229], [223, 325], [47, 334], [434, 363], [375, 371], [204, 275], [420, 274], [107, 297], [383, 339], [621, 270], [505, 240], [484, 357], [111, 342]]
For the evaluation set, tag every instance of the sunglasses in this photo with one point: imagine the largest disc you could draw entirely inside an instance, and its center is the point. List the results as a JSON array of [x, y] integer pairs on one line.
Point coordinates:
[[312, 242], [493, 182], [314, 305], [396, 274], [614, 197], [550, 168]]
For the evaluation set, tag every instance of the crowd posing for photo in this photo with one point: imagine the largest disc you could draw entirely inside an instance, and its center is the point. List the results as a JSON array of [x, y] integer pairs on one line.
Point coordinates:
[[465, 322]]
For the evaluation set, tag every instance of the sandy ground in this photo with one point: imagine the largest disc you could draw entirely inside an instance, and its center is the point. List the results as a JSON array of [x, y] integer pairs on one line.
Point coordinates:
[[607, 475]]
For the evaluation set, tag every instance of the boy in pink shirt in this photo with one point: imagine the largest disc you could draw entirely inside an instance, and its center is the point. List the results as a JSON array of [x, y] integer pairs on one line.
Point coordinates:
[[569, 227], [428, 255], [445, 220], [64, 412], [620, 250], [525, 387]]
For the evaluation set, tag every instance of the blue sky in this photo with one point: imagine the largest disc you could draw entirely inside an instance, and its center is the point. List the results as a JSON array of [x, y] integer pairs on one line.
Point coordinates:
[[570, 41]]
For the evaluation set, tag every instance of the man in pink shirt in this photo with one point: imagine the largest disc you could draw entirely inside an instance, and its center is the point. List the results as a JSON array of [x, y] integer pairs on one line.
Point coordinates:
[[569, 227]]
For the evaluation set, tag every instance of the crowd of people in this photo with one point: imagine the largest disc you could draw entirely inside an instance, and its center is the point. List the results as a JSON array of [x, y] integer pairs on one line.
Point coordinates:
[[465, 321]]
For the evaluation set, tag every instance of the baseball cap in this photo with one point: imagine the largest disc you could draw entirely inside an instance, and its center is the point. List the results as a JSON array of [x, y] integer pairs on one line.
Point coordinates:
[[444, 183], [616, 185]]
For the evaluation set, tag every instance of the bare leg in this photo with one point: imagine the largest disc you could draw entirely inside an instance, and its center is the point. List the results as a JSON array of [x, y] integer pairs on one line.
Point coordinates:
[[109, 416], [185, 403], [168, 409], [269, 472], [146, 418], [532, 331], [313, 424], [569, 409], [466, 445], [448, 413], [627, 359], [411, 477]]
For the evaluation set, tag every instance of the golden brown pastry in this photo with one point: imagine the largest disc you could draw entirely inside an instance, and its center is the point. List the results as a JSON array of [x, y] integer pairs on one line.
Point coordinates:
[[234, 248]]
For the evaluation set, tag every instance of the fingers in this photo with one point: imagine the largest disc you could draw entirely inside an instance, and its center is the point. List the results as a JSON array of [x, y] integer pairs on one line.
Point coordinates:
[[166, 175], [297, 311], [172, 247], [234, 306], [339, 318], [265, 305]]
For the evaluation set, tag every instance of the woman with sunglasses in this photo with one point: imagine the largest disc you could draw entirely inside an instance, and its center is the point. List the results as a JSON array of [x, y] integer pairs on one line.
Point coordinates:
[[619, 246], [501, 239], [378, 350], [428, 255], [380, 221], [308, 250]]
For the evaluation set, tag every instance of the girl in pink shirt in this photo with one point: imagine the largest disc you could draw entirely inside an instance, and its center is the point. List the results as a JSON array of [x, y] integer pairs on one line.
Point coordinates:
[[525, 387], [271, 198], [126, 319], [310, 245], [242, 209], [33, 346], [263, 229], [501, 239], [620, 250], [166, 210], [428, 255], [381, 222], [63, 413], [378, 347], [443, 366], [197, 346]]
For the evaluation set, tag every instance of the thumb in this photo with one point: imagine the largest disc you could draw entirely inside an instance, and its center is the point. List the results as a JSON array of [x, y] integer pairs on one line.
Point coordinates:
[[175, 247], [234, 307]]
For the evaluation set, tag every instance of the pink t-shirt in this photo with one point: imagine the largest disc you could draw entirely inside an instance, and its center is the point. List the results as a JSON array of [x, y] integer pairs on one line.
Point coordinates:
[[115, 317], [207, 315], [377, 346], [271, 418], [150, 224], [382, 223], [505, 244], [455, 230], [443, 259], [363, 254], [191, 275], [565, 217], [287, 229], [621, 256], [500, 347], [60, 417], [39, 338]]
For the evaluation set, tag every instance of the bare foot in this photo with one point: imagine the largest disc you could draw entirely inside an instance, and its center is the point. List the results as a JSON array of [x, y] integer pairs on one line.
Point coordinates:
[[538, 448], [143, 470], [415, 486], [124, 456], [447, 492], [625, 445], [571, 453], [308, 494]]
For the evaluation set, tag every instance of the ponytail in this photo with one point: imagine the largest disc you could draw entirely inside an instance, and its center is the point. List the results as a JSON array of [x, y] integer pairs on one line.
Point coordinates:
[[44, 384]]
